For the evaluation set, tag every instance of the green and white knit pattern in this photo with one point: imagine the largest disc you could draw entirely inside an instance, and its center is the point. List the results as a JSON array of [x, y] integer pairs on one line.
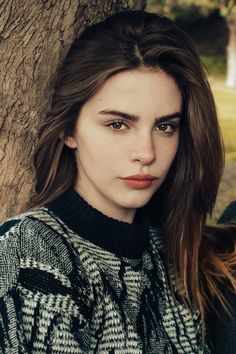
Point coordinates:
[[61, 294]]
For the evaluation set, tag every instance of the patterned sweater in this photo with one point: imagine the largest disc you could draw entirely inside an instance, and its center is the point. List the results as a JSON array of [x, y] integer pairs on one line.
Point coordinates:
[[73, 280]]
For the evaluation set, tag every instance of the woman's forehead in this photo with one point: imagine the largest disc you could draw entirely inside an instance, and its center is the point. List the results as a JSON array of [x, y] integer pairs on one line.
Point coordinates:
[[138, 88]]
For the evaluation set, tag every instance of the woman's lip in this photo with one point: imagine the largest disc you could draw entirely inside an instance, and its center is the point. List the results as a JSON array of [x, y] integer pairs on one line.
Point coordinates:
[[140, 178], [137, 184]]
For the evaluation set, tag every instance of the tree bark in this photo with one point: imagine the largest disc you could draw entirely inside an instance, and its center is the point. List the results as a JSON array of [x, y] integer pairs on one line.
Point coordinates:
[[231, 54], [34, 39]]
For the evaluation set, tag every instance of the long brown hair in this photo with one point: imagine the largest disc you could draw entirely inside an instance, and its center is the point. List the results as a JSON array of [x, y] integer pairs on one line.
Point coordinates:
[[125, 41]]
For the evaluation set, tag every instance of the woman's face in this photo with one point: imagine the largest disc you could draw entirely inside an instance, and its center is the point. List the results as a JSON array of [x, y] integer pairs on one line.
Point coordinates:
[[129, 127]]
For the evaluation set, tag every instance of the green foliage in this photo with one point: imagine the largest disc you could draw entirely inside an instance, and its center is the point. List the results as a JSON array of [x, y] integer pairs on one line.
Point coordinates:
[[215, 65], [184, 10], [190, 10], [228, 128], [226, 107], [226, 104], [227, 8]]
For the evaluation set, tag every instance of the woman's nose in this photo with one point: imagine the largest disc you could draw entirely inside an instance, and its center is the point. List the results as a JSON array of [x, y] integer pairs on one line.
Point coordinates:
[[143, 151]]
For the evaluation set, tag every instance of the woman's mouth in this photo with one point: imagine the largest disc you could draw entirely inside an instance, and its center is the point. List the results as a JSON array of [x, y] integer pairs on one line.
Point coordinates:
[[139, 181]]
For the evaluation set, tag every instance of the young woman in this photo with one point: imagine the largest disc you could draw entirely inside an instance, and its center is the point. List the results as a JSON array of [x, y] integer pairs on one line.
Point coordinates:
[[115, 256]]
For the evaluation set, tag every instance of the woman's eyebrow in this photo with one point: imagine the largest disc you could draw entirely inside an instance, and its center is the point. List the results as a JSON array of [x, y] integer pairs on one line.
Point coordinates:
[[135, 118]]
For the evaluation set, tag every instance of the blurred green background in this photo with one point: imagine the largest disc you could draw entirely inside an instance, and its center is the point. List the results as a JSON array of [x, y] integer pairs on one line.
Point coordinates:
[[207, 22]]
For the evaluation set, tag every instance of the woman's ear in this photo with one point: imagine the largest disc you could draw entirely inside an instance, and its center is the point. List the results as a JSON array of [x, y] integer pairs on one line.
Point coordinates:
[[70, 142]]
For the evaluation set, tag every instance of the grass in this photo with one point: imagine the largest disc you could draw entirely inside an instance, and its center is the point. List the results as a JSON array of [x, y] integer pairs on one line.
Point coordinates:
[[226, 106]]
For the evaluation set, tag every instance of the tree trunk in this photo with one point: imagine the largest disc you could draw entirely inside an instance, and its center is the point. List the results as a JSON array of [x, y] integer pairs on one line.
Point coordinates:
[[231, 55], [34, 38]]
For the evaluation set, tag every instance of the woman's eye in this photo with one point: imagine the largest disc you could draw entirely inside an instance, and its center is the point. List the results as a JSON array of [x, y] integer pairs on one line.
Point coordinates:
[[166, 128], [117, 125]]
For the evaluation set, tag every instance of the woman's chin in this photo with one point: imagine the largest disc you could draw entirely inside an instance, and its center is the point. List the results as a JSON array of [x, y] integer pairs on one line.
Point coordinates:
[[136, 203]]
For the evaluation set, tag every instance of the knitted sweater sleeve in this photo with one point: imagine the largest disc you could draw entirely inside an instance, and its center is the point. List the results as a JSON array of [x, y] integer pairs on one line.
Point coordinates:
[[9, 273], [41, 298]]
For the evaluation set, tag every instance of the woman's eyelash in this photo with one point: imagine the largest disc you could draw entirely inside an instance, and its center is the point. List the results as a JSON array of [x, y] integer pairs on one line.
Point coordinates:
[[118, 124], [168, 127], [165, 128]]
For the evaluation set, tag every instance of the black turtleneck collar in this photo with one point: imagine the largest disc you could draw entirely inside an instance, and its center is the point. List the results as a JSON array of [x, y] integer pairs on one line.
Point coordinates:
[[118, 237]]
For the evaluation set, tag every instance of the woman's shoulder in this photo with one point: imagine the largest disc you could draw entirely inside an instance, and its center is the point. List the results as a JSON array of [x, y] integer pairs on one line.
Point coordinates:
[[32, 241], [12, 224], [33, 222], [11, 231], [33, 231]]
